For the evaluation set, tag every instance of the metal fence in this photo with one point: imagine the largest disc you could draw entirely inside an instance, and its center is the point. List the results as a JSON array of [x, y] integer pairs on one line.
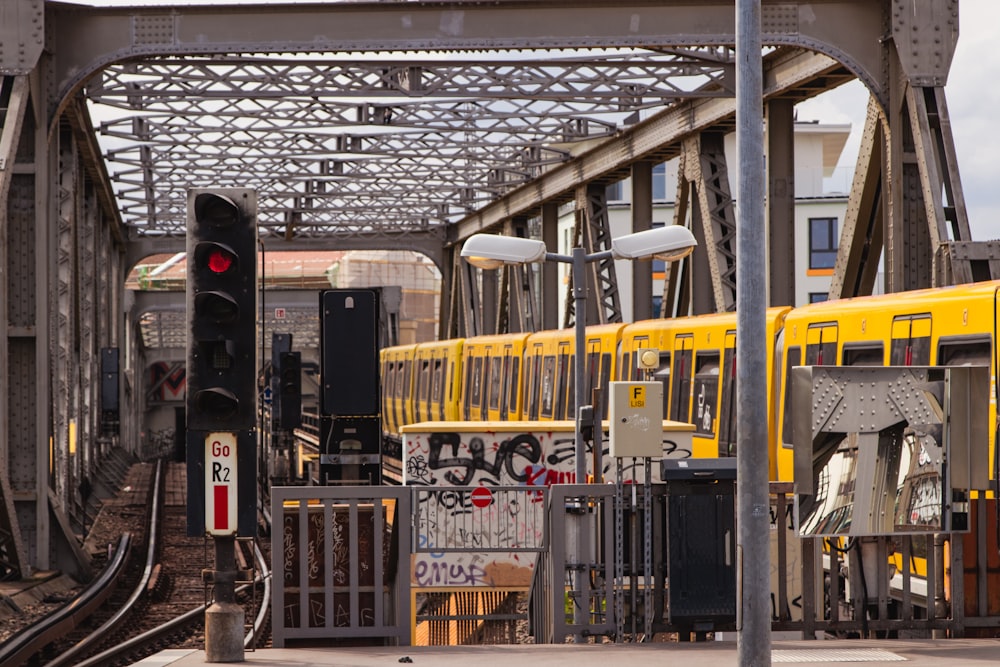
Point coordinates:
[[479, 519], [341, 563]]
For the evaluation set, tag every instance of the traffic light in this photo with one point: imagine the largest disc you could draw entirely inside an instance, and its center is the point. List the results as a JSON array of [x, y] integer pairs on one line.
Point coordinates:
[[222, 309], [290, 390]]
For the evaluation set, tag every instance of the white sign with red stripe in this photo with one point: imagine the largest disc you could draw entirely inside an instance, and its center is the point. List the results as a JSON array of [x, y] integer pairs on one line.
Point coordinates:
[[220, 484]]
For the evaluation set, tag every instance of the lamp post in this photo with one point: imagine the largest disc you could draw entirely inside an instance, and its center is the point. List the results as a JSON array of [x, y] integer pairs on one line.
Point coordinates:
[[490, 251]]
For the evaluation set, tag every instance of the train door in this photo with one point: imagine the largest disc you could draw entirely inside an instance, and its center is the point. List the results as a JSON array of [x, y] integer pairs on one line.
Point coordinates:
[[594, 367], [547, 384], [437, 391], [911, 340], [565, 383], [388, 375], [422, 389], [403, 391], [680, 378], [491, 408], [706, 394], [662, 375], [480, 373], [510, 408], [727, 411], [533, 382]]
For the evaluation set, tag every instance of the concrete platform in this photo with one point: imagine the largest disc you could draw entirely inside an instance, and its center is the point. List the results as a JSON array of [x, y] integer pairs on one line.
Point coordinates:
[[915, 652]]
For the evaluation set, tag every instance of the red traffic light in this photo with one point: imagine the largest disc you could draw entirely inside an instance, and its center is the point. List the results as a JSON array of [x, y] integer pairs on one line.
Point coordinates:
[[219, 260], [216, 257]]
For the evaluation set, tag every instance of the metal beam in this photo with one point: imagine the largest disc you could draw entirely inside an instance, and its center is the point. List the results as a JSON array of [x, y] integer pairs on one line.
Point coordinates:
[[657, 138]]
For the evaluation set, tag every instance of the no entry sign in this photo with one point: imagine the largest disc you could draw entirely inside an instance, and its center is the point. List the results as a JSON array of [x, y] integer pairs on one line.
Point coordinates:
[[481, 496]]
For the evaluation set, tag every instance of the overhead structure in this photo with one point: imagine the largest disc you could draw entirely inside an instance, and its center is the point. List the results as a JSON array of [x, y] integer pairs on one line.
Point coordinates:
[[412, 125]]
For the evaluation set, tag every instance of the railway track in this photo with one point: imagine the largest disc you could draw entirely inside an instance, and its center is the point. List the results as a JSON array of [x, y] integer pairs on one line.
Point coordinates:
[[149, 597]]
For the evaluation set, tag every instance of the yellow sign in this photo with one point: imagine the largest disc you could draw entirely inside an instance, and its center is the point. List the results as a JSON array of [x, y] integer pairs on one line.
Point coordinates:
[[637, 397]]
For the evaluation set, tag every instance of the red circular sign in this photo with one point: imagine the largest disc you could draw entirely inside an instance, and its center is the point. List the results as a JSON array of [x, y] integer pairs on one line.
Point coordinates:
[[481, 496]]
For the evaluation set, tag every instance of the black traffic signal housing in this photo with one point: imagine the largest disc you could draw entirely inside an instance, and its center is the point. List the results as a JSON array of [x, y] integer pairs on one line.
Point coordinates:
[[222, 309], [290, 390]]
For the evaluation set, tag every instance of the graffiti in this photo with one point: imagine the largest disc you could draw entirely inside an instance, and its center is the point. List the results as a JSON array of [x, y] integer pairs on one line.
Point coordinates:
[[524, 446], [417, 471], [443, 573], [169, 386]]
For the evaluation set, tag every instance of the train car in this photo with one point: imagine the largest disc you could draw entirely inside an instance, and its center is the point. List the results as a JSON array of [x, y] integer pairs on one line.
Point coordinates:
[[934, 327], [396, 368], [491, 385], [437, 369], [698, 371], [549, 359]]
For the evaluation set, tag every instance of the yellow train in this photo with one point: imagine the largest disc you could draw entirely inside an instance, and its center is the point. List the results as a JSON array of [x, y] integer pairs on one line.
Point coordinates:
[[530, 376]]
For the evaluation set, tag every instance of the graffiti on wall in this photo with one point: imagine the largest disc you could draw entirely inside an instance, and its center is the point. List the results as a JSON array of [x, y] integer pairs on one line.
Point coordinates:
[[493, 459], [167, 385]]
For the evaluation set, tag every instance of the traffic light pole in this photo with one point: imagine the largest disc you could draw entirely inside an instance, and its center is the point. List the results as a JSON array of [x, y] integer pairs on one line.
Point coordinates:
[[221, 381], [224, 618]]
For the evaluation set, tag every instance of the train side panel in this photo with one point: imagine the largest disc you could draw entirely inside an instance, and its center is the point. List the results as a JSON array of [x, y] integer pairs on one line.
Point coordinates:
[[698, 370], [491, 379], [948, 326]]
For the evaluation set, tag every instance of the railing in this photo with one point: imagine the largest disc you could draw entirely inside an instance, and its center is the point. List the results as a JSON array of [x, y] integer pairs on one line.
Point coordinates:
[[564, 538], [341, 563]]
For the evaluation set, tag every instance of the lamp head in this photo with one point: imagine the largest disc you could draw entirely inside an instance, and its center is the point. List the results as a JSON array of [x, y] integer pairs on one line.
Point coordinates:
[[669, 243], [491, 251]]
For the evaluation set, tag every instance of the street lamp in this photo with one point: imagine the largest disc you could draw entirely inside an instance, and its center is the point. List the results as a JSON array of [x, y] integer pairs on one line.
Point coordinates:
[[490, 251]]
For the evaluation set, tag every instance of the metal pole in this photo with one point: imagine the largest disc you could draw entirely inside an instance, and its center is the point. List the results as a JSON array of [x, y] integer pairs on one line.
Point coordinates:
[[580, 304], [753, 646], [224, 619]]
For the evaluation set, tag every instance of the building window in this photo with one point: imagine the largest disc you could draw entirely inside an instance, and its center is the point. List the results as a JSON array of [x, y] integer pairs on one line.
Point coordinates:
[[616, 192], [660, 182], [823, 239], [816, 297]]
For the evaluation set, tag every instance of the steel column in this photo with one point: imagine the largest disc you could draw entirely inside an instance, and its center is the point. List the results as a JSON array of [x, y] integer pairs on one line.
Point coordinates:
[[781, 201]]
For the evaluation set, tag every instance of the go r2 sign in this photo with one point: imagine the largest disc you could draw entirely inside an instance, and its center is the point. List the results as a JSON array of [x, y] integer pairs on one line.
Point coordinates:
[[220, 484]]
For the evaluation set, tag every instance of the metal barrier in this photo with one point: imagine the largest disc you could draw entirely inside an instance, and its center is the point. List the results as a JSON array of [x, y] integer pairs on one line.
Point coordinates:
[[336, 587], [341, 563], [506, 519]]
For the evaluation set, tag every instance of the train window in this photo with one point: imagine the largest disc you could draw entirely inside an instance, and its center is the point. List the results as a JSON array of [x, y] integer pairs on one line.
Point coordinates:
[[792, 359], [706, 393], [864, 355], [477, 386], [727, 413], [911, 341], [624, 373], [821, 345], [495, 376], [548, 388], [963, 352], [680, 383]]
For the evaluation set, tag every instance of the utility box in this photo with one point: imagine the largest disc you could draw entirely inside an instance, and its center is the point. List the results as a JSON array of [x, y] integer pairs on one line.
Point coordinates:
[[701, 542], [635, 419]]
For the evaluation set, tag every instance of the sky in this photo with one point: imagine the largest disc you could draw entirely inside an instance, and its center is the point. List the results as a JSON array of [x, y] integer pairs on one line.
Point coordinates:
[[973, 97]]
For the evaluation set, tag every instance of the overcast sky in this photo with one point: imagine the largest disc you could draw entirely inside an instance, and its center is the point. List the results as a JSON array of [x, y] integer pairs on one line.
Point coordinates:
[[973, 96]]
